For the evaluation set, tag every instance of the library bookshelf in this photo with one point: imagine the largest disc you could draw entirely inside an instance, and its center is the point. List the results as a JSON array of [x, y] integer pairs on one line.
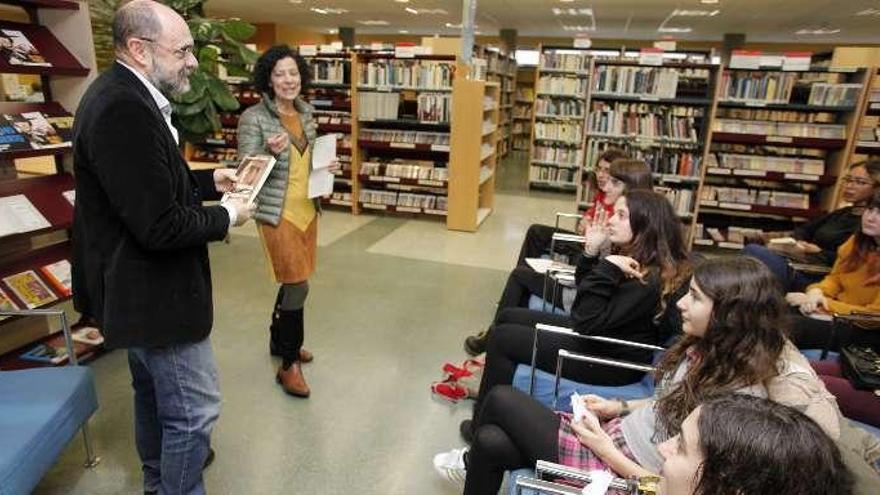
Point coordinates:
[[780, 143], [36, 187], [523, 101], [559, 117], [868, 136]]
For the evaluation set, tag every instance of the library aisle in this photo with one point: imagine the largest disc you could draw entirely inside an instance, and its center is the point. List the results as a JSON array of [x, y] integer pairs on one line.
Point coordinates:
[[381, 323]]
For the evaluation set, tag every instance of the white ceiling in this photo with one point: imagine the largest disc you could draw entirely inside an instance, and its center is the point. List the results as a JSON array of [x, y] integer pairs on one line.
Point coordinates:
[[760, 20]]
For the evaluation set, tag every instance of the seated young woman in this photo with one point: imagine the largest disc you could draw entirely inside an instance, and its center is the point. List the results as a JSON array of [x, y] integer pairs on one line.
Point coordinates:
[[619, 295], [623, 176], [537, 240], [852, 286], [733, 320], [818, 241]]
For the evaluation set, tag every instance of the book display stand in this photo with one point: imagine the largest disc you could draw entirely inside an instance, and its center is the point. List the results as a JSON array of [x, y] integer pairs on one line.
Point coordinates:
[[36, 206]]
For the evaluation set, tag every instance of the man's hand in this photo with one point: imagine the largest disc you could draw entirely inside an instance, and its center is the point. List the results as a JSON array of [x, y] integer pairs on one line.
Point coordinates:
[[243, 212], [224, 179], [278, 143]]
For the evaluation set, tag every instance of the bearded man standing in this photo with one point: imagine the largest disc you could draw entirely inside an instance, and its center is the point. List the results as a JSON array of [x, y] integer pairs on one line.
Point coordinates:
[[140, 264]]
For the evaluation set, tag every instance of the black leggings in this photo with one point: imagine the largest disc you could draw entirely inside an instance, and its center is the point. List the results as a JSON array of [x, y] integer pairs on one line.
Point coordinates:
[[809, 333], [510, 344], [522, 283], [514, 432], [537, 243]]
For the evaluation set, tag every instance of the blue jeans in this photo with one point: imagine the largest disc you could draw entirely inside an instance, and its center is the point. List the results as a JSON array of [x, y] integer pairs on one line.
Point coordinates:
[[176, 403], [790, 279]]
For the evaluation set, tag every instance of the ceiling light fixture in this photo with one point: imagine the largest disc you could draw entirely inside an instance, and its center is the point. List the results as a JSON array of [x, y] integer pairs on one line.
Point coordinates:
[[411, 10], [579, 28], [374, 23], [403, 31], [295, 1], [710, 2], [426, 11], [664, 29], [869, 12], [822, 31], [558, 11], [402, 1], [694, 13], [328, 10]]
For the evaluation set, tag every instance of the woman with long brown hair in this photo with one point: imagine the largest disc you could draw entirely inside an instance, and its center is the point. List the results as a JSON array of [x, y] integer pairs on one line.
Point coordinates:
[[733, 318], [852, 286]]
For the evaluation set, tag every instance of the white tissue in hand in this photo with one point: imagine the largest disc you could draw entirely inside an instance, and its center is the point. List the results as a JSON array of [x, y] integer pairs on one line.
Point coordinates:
[[599, 483], [579, 409]]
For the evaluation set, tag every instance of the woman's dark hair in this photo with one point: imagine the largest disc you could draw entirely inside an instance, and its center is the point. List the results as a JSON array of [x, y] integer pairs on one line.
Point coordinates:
[[742, 343], [753, 445], [865, 250], [635, 174], [266, 64], [658, 241]]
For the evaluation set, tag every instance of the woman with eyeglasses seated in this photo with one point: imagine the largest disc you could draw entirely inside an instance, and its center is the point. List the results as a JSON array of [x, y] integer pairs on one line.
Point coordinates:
[[852, 286], [734, 342], [818, 240], [623, 175]]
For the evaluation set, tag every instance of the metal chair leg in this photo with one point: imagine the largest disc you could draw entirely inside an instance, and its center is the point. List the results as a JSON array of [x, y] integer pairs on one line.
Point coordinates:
[[91, 459]]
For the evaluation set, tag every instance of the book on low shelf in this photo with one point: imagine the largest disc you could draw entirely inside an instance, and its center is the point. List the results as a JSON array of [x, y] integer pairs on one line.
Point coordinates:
[[59, 275], [18, 215], [17, 49], [30, 289], [6, 303]]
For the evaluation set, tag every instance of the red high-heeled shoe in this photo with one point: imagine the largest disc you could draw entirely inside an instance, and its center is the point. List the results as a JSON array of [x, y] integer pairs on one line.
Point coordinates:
[[449, 391], [454, 372]]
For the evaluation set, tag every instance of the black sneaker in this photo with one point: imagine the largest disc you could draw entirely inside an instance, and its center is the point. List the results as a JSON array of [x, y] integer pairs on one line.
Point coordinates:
[[476, 344], [466, 428]]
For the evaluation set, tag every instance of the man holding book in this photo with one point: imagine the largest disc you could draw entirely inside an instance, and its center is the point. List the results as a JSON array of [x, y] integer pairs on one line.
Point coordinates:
[[140, 232]]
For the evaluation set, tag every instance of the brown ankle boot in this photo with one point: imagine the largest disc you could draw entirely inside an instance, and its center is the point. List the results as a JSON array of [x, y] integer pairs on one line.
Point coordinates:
[[292, 380], [305, 356]]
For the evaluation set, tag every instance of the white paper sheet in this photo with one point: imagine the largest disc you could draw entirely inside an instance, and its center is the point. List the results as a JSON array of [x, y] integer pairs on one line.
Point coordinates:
[[541, 265], [18, 214], [323, 155]]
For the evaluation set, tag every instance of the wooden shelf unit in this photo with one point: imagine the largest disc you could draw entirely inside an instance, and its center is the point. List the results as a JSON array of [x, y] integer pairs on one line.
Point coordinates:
[[501, 68], [545, 114], [868, 129], [523, 101], [776, 163], [474, 153], [666, 124]]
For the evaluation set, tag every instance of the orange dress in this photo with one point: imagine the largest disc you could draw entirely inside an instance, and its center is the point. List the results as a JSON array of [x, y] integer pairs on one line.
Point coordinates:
[[292, 246]]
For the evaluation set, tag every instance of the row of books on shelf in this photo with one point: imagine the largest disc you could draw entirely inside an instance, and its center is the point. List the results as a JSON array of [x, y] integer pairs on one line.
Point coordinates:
[[669, 162], [682, 200], [521, 127], [35, 288], [373, 106], [562, 85], [34, 131], [823, 131], [435, 107], [560, 107], [561, 155], [524, 95], [489, 126], [785, 87], [785, 165], [406, 169], [407, 74], [521, 142], [569, 132], [733, 237], [245, 93], [776, 115], [522, 112], [769, 150], [620, 80], [225, 136], [328, 71], [759, 197], [651, 126], [551, 174], [405, 137], [407, 200], [564, 61], [834, 95], [869, 134], [219, 155]]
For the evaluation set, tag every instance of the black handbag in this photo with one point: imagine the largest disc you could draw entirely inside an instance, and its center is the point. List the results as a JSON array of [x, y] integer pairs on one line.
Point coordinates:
[[861, 366]]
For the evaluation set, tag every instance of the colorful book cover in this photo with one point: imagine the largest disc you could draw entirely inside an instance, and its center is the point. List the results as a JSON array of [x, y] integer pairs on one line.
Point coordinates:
[[18, 50], [30, 289], [7, 304], [58, 274]]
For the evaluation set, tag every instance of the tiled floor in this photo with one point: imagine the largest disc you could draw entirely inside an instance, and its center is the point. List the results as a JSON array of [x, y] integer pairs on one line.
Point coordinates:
[[391, 301]]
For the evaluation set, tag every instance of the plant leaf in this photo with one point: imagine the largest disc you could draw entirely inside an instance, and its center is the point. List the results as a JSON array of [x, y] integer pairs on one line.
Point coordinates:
[[238, 30], [221, 95], [191, 108]]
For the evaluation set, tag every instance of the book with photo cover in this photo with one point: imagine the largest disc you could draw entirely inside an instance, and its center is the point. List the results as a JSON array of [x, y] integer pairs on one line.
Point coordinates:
[[252, 172], [7, 304], [58, 274], [38, 131], [28, 287], [17, 49]]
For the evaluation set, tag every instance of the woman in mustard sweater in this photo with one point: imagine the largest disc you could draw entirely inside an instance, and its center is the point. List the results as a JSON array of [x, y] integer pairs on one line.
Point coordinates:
[[853, 286]]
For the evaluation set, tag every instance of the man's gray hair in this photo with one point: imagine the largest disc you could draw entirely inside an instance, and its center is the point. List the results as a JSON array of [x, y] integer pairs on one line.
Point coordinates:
[[135, 19]]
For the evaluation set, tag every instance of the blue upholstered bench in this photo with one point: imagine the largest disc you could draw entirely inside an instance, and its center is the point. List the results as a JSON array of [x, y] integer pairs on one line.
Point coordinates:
[[41, 410]]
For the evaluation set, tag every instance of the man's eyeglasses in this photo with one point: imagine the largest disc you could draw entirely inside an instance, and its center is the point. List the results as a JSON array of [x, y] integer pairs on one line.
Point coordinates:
[[179, 53], [857, 181]]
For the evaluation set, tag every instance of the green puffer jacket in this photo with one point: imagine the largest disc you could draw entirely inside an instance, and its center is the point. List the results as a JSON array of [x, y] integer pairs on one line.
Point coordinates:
[[256, 125]]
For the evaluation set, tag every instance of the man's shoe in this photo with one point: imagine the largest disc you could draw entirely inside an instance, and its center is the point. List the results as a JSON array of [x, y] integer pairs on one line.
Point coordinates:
[[305, 356], [476, 344], [210, 459], [466, 429], [292, 380]]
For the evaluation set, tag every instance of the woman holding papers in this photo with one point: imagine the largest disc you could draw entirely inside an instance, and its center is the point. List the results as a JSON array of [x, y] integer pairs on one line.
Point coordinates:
[[282, 125], [816, 242]]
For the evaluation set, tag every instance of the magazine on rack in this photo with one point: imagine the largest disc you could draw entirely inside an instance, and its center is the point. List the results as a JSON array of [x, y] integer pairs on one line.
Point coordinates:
[[252, 172], [18, 50]]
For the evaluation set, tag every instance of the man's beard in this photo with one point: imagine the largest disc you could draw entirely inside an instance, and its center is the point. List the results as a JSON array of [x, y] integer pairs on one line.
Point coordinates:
[[170, 83]]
